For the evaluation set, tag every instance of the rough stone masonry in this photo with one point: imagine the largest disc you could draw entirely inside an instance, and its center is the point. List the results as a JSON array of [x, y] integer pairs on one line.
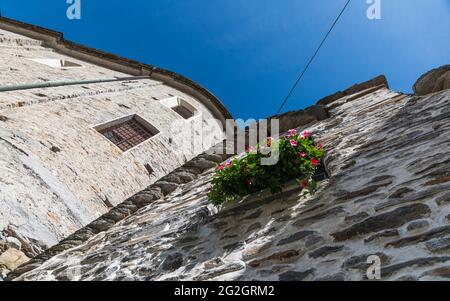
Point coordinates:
[[388, 195]]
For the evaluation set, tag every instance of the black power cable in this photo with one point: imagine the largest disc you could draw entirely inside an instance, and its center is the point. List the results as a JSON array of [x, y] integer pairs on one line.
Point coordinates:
[[313, 57]]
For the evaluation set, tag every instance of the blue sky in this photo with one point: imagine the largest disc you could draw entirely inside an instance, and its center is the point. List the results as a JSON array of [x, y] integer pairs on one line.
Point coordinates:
[[249, 52]]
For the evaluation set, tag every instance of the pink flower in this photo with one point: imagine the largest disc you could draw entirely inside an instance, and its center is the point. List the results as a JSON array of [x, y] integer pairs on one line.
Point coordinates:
[[249, 149], [228, 163], [320, 146], [302, 154], [292, 132], [293, 143], [221, 167], [306, 134], [314, 162]]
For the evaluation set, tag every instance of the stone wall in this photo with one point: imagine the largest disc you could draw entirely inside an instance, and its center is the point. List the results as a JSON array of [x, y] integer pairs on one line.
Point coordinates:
[[17, 67], [433, 81], [388, 195], [57, 173], [183, 175]]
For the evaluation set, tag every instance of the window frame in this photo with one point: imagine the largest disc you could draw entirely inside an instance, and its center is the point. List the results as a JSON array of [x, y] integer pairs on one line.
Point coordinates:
[[44, 61], [176, 101], [99, 128]]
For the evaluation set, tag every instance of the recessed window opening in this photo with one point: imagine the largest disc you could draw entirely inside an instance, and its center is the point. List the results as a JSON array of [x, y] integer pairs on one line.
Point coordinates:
[[321, 172], [183, 111], [127, 132], [149, 168], [181, 107], [58, 63]]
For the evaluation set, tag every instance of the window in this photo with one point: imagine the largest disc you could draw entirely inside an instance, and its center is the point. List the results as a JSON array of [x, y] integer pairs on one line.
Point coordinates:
[[57, 63], [180, 106], [183, 111], [149, 168], [321, 173], [127, 132]]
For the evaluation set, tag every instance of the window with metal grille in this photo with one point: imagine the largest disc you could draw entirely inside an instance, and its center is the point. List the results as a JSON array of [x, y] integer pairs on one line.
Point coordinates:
[[127, 132]]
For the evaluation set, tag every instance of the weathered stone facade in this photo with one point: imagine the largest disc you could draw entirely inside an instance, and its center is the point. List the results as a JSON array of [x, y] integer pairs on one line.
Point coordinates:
[[433, 81], [62, 183], [387, 195], [57, 172]]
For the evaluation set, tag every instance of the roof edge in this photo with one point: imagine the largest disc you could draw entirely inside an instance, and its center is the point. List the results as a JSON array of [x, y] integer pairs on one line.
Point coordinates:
[[54, 39], [319, 111], [379, 80]]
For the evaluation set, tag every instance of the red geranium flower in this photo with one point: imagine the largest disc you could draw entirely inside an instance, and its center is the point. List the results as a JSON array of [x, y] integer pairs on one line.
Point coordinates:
[[314, 162]]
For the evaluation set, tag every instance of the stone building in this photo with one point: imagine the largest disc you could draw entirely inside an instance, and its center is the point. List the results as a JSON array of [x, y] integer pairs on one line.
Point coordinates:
[[82, 130], [387, 195]]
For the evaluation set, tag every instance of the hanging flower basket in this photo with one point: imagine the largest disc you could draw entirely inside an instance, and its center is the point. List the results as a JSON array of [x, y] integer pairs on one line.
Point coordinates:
[[299, 158]]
